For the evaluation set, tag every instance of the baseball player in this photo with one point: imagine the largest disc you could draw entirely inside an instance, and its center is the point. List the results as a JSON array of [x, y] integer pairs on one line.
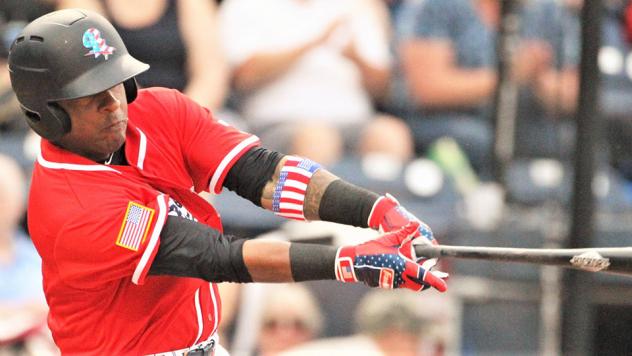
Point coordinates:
[[130, 252]]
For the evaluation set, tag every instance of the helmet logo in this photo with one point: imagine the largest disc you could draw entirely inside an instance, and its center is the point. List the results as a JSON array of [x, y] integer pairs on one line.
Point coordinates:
[[92, 39]]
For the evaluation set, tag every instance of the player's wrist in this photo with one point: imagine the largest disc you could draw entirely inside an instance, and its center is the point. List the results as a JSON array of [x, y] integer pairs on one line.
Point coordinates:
[[345, 264], [345, 203], [310, 262]]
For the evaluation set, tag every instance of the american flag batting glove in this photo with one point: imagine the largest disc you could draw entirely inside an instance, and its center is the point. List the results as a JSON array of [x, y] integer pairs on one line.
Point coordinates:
[[387, 215], [381, 263]]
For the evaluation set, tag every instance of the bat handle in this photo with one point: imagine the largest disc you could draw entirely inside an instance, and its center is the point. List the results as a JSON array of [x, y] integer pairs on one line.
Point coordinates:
[[429, 251]]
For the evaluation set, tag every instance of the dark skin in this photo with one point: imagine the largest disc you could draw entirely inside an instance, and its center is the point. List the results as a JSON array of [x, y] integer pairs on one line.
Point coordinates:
[[268, 260], [98, 125]]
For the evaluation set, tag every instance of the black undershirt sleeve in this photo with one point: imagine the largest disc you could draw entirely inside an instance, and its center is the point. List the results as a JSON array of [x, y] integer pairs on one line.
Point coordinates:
[[345, 203], [311, 262], [251, 172], [191, 249]]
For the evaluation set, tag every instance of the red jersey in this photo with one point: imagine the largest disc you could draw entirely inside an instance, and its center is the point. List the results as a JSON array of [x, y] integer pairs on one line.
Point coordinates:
[[97, 229]]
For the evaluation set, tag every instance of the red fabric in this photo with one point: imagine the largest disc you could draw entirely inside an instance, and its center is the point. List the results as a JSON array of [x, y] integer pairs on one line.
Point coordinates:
[[386, 215], [101, 299], [627, 23]]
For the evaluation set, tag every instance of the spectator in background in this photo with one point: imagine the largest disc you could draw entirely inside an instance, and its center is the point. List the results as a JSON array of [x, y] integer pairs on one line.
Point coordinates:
[[291, 317], [23, 308], [24, 10], [390, 324], [548, 100], [307, 73], [615, 65], [14, 15], [178, 39], [447, 62], [11, 121]]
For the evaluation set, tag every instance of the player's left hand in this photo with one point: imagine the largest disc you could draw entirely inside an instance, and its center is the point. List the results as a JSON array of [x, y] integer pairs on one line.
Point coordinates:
[[388, 215], [383, 263]]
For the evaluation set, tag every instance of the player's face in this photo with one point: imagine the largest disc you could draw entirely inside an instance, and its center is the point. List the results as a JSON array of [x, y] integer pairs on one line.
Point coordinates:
[[98, 123]]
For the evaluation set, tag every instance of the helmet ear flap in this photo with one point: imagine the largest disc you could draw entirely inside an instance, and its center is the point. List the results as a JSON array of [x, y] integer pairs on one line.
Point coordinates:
[[50, 129], [60, 125], [131, 89]]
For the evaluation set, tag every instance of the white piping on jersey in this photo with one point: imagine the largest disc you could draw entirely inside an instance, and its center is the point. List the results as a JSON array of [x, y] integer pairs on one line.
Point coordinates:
[[229, 157], [142, 149], [72, 166], [153, 240], [198, 312], [215, 311]]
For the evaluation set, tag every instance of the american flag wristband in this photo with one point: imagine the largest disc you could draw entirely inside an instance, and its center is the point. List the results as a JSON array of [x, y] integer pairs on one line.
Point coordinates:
[[289, 193]]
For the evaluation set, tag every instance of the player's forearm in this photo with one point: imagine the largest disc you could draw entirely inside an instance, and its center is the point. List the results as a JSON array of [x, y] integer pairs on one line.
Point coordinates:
[[298, 188], [268, 260], [327, 198], [281, 261], [190, 249], [313, 195]]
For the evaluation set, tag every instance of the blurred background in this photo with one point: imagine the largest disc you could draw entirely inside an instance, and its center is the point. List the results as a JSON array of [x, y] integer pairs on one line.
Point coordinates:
[[498, 123]]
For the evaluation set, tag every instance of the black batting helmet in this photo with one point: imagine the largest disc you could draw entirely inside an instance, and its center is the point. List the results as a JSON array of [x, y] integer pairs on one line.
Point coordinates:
[[67, 54]]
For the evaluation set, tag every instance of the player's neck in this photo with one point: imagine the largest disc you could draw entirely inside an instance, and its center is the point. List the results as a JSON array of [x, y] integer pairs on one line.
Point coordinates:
[[116, 158]]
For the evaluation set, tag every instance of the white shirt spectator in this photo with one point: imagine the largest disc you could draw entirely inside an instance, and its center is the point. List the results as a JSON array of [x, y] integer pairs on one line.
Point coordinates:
[[323, 85]]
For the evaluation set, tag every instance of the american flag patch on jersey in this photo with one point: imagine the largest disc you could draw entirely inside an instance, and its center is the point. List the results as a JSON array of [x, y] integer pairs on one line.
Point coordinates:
[[135, 226]]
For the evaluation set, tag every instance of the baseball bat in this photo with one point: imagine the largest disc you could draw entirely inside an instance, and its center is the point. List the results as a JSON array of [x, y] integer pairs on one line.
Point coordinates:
[[617, 260]]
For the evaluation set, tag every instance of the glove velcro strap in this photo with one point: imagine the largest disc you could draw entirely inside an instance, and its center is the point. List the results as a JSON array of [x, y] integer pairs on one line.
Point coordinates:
[[344, 265], [382, 204], [289, 193]]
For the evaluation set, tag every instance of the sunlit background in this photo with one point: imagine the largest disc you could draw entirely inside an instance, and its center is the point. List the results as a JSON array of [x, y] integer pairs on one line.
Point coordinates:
[[487, 119]]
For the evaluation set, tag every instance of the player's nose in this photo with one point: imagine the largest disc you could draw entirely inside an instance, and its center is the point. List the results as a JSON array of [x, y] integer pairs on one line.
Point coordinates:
[[109, 102]]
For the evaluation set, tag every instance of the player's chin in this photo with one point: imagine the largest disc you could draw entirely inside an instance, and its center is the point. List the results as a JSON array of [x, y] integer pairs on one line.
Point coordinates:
[[112, 142]]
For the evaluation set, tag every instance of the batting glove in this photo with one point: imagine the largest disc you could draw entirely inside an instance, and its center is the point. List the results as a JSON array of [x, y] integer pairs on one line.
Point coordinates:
[[387, 215], [385, 263]]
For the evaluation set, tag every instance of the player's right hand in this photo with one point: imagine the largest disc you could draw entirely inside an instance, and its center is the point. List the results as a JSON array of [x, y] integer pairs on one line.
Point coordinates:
[[381, 263]]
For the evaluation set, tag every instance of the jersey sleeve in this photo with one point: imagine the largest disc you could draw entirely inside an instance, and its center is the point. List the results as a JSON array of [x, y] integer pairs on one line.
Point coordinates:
[[116, 238], [210, 147]]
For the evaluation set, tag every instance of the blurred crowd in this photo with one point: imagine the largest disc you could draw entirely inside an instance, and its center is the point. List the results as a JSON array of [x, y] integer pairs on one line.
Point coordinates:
[[383, 82]]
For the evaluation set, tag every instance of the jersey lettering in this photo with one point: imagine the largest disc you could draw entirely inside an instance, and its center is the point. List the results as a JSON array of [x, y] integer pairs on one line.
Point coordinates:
[[177, 209]]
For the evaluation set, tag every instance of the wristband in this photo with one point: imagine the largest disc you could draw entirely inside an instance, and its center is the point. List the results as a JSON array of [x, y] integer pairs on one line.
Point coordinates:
[[312, 262], [289, 193], [347, 204]]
